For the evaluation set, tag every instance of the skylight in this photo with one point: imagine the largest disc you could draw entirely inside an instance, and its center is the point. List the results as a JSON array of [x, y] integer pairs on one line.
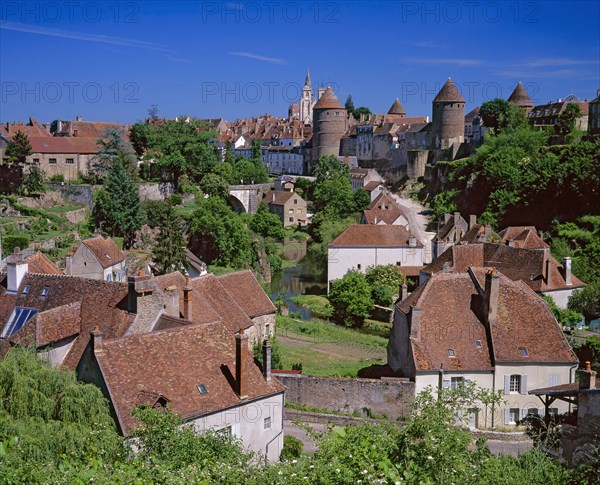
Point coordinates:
[[523, 352], [451, 353], [478, 344], [18, 318], [45, 292], [25, 290], [202, 389]]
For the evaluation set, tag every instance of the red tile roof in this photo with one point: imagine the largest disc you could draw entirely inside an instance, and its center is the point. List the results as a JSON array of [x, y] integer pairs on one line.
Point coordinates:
[[372, 185], [278, 197], [523, 237], [383, 201], [247, 293], [172, 363], [396, 108], [328, 100], [39, 263], [388, 216], [449, 93], [105, 251], [369, 235], [520, 97], [452, 317]]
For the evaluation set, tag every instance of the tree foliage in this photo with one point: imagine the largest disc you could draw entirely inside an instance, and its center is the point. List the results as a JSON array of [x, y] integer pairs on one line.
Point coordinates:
[[565, 123], [19, 148], [267, 224], [500, 115], [168, 251], [112, 146], [214, 185], [34, 181], [351, 299]]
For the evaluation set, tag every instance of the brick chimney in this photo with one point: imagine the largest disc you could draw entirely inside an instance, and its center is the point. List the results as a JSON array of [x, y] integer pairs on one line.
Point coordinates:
[[472, 221], [266, 350], [241, 361], [412, 241], [511, 243], [16, 269], [447, 217], [492, 291], [587, 377], [487, 232], [136, 286], [187, 303], [171, 301], [547, 270], [567, 270], [69, 264], [415, 321], [96, 335], [403, 290]]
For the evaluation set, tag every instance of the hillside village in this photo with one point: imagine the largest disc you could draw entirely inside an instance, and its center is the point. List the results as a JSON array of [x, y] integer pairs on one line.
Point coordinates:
[[328, 267]]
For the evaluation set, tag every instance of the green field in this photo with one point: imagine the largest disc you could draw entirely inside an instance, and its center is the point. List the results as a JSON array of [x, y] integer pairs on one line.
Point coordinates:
[[318, 305]]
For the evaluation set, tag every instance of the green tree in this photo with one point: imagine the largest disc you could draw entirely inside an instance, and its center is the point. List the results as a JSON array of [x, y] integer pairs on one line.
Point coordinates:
[[362, 199], [34, 181], [349, 104], [168, 252], [500, 115], [389, 275], [587, 301], [221, 234], [563, 316], [565, 123], [256, 150], [351, 300], [111, 146], [267, 224], [249, 171], [120, 209], [362, 110], [214, 185], [19, 149]]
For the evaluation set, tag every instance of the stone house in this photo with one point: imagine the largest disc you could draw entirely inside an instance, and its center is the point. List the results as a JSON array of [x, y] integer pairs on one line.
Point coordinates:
[[360, 177], [594, 115], [536, 268], [364, 245], [201, 372], [481, 326], [98, 259], [547, 114], [288, 206]]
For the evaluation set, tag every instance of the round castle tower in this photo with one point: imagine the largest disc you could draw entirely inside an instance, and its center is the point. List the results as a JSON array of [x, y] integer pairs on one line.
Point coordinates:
[[448, 117], [397, 109], [520, 97], [329, 125]]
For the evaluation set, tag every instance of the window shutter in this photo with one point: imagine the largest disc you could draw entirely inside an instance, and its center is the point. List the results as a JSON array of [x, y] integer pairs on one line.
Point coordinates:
[[523, 413], [542, 411], [523, 389], [506, 384], [507, 415]]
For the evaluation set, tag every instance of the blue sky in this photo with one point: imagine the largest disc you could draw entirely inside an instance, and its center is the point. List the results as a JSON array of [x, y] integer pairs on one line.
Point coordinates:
[[109, 60]]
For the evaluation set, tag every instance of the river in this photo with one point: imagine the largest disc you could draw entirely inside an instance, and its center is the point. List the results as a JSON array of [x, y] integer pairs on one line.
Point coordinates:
[[305, 277]]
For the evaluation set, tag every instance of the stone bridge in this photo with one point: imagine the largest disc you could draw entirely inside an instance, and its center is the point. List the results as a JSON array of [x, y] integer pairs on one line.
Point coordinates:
[[247, 198]]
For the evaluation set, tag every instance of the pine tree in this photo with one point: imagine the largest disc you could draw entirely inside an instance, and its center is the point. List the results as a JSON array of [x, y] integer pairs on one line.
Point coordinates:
[[123, 211], [19, 148], [169, 249]]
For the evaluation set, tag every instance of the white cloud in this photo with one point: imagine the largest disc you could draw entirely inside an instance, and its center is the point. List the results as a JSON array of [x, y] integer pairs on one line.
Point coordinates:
[[256, 57]]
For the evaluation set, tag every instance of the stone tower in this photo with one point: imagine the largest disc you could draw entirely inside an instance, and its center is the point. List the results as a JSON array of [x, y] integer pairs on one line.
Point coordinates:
[[329, 125], [397, 109], [520, 97], [307, 101], [448, 117]]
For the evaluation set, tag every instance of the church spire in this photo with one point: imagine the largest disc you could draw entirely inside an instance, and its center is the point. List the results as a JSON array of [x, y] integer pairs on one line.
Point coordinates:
[[307, 80]]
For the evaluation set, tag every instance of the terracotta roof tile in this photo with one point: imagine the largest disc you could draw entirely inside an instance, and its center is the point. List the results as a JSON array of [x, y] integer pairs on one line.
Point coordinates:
[[520, 97], [105, 250], [388, 216], [247, 293], [396, 108], [278, 197], [172, 363], [383, 201], [39, 263], [328, 100], [523, 237], [449, 93], [369, 235]]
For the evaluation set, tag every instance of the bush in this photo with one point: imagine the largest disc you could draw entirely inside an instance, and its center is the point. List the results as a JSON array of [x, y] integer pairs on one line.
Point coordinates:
[[292, 448], [12, 241], [59, 177], [174, 199]]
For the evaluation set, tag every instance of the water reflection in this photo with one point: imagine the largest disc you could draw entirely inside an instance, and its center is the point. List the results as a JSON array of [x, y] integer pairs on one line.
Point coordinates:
[[306, 277]]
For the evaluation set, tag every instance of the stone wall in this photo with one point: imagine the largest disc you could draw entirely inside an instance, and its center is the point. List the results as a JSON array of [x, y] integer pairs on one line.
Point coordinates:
[[390, 396], [158, 191], [79, 194]]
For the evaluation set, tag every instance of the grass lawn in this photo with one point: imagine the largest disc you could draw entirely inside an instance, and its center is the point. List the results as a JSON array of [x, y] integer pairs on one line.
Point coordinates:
[[58, 209], [327, 350], [317, 304], [185, 210]]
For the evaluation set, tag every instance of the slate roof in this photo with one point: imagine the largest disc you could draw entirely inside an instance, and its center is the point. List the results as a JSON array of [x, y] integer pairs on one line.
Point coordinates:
[[105, 251], [527, 265], [452, 318], [370, 235], [328, 100], [449, 93], [172, 363]]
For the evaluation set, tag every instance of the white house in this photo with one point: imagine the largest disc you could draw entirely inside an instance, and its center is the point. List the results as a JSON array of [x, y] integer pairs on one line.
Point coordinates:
[[97, 259], [364, 245], [483, 327], [201, 372]]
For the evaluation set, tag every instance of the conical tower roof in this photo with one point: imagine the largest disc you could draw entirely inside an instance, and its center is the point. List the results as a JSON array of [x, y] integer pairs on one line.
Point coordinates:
[[449, 93], [307, 80], [396, 108], [328, 100], [520, 97]]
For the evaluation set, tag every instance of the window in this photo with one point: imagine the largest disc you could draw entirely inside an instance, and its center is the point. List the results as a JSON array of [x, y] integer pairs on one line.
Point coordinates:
[[267, 330], [533, 412], [25, 290], [36, 161], [456, 382], [358, 266], [267, 424], [70, 161], [52, 161], [202, 389], [513, 414], [17, 319], [291, 211], [45, 292], [515, 384], [451, 353], [291, 219], [523, 352], [295, 201], [478, 344]]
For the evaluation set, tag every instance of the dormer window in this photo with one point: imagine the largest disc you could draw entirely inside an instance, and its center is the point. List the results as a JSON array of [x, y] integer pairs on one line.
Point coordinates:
[[25, 290], [451, 353], [478, 344], [523, 352], [202, 389], [45, 291]]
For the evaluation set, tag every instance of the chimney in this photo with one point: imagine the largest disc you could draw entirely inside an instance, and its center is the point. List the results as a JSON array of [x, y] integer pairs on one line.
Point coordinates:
[[548, 272], [492, 291], [412, 241], [511, 243], [131, 295], [375, 220], [587, 377], [567, 270], [171, 301], [472, 221], [487, 231], [69, 264], [447, 217], [456, 217], [403, 290], [96, 340], [241, 360], [266, 349], [47, 127], [273, 197], [187, 304], [446, 267], [16, 269], [79, 118], [415, 321]]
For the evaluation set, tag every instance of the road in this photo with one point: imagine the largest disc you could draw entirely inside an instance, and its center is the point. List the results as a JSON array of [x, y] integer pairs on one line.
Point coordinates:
[[417, 223]]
